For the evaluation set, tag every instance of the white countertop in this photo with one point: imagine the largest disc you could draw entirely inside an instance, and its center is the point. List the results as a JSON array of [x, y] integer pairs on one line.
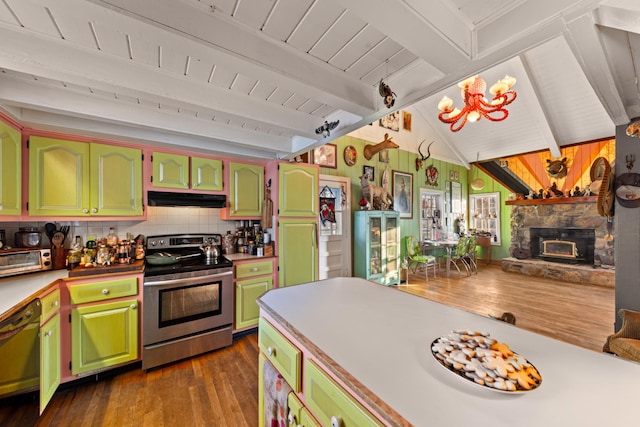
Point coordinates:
[[18, 290], [382, 337]]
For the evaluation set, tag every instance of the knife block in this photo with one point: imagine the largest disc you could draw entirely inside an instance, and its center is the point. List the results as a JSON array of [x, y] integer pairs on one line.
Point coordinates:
[[59, 258]]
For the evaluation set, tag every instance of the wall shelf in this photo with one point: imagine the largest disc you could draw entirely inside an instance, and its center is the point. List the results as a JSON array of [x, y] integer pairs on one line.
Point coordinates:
[[553, 201]]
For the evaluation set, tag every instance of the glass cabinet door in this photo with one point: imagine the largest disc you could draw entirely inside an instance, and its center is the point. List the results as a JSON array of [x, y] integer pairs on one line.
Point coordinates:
[[431, 202], [391, 232], [375, 230], [484, 213]]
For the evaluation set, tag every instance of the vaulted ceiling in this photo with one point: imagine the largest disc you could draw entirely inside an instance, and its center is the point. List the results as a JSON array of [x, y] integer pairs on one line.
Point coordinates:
[[256, 77]]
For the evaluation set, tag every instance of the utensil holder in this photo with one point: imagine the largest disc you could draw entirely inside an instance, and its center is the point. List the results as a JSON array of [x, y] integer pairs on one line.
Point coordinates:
[[59, 258]]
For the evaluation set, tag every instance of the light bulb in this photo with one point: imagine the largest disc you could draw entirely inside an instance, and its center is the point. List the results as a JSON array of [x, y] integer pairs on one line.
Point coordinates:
[[445, 103], [473, 116]]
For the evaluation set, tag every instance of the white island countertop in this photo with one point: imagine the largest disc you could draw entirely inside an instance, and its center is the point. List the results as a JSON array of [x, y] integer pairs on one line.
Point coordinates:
[[376, 339]]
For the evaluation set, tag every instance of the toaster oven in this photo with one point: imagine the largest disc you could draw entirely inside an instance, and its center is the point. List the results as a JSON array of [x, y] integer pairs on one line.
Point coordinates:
[[21, 261]]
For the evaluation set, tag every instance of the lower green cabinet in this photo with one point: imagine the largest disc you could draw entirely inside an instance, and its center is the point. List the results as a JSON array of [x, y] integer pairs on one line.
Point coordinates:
[[330, 402], [103, 335], [49, 360], [247, 292]]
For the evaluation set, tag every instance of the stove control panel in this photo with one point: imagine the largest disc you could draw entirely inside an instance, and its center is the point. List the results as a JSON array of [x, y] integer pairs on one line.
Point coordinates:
[[177, 241]]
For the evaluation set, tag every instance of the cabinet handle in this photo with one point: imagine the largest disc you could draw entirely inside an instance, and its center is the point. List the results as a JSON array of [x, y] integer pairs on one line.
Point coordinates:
[[55, 303], [134, 306], [94, 210], [336, 421], [85, 211], [105, 291], [271, 351], [49, 333], [254, 269]]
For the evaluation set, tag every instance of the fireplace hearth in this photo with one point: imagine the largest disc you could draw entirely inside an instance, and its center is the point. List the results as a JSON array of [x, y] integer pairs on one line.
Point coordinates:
[[564, 245]]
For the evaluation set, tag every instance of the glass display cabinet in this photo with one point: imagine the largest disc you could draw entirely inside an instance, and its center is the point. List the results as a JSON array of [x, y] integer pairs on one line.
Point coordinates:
[[377, 246], [484, 215]]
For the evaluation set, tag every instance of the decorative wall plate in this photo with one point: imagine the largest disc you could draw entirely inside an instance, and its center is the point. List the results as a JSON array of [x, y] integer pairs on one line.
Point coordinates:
[[432, 176], [350, 155]]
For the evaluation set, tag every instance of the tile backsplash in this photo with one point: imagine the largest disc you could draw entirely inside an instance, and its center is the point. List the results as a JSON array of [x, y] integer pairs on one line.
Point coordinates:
[[160, 220]]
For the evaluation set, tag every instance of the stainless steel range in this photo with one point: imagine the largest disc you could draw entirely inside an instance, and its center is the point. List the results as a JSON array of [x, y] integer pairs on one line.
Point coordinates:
[[187, 299]]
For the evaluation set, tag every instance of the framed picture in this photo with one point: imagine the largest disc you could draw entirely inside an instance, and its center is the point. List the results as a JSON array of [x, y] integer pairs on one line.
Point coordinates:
[[325, 156], [406, 121], [403, 193], [391, 121], [456, 197], [454, 175], [369, 172]]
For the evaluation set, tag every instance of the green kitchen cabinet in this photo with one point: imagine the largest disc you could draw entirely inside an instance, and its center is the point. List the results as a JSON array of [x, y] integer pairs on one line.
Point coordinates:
[[183, 172], [298, 195], [246, 191], [252, 279], [103, 335], [170, 170], [206, 174], [104, 324], [376, 246], [50, 346], [70, 178], [49, 360], [298, 246], [11, 170]]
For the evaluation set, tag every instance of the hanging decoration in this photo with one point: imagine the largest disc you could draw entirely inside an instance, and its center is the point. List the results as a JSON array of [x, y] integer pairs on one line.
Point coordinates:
[[388, 96], [476, 106], [327, 205], [326, 128]]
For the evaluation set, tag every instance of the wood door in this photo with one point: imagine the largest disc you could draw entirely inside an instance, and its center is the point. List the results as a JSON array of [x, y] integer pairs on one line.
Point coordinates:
[[11, 171], [58, 177], [298, 185], [116, 180], [103, 335], [170, 170], [206, 174], [49, 360], [334, 254], [246, 190], [298, 245]]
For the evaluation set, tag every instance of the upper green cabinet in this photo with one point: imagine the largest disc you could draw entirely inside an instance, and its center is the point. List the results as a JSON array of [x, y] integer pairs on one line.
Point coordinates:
[[70, 178], [246, 190], [172, 171], [206, 174], [11, 171], [298, 196]]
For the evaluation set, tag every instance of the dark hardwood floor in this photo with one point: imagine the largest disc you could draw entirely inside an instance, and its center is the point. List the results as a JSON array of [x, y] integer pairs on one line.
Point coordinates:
[[220, 388]]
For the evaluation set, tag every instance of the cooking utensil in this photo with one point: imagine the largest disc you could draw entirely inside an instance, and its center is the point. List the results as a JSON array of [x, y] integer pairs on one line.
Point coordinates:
[[57, 240], [50, 228], [165, 258]]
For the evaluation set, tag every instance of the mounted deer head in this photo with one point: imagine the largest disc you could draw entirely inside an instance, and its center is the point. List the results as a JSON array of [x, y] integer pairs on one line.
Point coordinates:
[[421, 160], [371, 150]]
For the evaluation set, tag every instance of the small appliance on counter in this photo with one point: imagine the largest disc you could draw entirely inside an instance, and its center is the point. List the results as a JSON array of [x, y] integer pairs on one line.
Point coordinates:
[[28, 237], [24, 260]]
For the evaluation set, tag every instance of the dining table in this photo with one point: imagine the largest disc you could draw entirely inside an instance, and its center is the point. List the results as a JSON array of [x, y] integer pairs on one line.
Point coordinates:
[[448, 244]]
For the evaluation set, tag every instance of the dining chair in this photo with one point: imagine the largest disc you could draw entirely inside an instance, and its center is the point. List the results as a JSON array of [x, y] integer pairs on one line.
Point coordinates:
[[471, 257], [415, 259], [459, 254]]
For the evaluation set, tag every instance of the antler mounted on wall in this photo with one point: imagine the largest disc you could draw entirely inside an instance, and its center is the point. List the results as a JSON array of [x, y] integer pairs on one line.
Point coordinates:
[[372, 150], [421, 160]]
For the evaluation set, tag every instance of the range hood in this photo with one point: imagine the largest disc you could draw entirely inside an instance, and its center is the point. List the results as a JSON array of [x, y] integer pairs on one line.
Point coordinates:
[[162, 198]]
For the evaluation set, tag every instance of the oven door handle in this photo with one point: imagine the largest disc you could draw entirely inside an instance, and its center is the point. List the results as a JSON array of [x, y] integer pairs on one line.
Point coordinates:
[[190, 280]]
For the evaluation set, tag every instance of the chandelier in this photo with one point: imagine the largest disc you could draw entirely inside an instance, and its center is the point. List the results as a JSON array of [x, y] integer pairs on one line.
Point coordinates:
[[476, 105]]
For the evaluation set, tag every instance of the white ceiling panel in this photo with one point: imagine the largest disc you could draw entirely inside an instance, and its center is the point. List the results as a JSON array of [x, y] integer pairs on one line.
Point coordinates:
[[254, 76]]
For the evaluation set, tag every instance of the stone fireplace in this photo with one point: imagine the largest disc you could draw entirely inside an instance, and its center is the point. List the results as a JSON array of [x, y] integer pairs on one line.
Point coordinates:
[[565, 240]]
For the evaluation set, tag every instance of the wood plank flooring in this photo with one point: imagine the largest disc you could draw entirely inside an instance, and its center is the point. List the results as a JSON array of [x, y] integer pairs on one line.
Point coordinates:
[[221, 388]]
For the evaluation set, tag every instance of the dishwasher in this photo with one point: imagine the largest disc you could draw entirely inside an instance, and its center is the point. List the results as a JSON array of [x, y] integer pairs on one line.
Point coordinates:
[[20, 350]]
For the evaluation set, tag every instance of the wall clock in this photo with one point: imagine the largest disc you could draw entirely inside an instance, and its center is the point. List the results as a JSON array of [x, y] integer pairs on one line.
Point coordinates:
[[350, 155]]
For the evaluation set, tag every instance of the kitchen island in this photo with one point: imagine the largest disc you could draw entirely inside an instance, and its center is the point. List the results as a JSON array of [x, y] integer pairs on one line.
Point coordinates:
[[375, 342]]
